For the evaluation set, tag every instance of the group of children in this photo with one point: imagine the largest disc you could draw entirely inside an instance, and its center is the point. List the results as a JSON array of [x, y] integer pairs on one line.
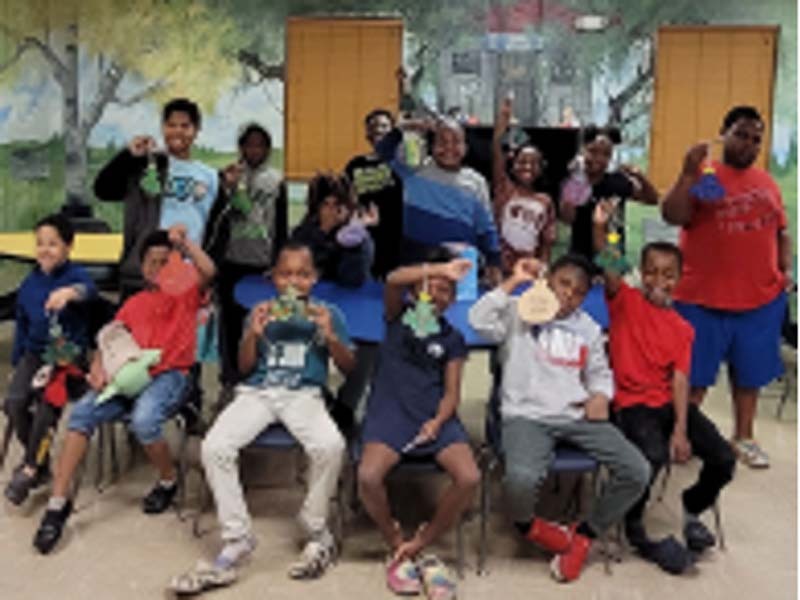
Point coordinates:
[[556, 384]]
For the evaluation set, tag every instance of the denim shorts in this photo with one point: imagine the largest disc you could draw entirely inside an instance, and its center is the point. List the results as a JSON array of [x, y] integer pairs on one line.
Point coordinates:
[[159, 401]]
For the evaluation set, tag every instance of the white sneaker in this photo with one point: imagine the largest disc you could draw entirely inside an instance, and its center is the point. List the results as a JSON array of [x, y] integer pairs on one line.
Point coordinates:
[[751, 454], [317, 556]]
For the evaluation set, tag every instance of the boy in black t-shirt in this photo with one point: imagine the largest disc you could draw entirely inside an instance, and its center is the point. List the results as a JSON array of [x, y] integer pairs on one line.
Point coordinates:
[[375, 183]]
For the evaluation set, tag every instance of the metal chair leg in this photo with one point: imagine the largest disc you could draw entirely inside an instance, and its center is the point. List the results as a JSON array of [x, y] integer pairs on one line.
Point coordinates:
[[460, 548], [485, 509], [718, 525], [8, 433], [112, 447], [101, 434]]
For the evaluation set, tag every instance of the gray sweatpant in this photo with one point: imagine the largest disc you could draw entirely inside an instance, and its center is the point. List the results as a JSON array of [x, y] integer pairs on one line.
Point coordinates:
[[528, 447]]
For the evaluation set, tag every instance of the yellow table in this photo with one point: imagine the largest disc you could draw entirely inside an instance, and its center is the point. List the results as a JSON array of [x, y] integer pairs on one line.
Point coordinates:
[[88, 248]]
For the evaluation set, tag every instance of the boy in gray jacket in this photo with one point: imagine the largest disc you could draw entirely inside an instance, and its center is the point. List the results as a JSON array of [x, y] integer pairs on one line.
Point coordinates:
[[556, 386]]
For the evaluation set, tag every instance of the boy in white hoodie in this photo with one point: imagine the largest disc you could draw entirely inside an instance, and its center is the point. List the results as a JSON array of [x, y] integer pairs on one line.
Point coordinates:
[[556, 386]]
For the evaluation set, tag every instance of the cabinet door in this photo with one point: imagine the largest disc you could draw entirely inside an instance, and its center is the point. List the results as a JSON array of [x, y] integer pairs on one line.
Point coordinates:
[[337, 70], [702, 72]]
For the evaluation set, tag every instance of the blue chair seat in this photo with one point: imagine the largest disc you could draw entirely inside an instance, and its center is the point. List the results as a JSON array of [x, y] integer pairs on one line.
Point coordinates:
[[274, 436]]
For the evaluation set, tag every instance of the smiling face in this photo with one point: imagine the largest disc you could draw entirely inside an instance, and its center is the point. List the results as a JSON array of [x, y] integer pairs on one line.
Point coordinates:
[[660, 274], [441, 290], [527, 165], [51, 250], [449, 146], [377, 127], [570, 285], [597, 156], [295, 268], [742, 142], [179, 133]]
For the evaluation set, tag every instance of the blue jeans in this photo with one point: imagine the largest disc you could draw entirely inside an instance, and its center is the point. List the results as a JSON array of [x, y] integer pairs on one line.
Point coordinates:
[[157, 403]]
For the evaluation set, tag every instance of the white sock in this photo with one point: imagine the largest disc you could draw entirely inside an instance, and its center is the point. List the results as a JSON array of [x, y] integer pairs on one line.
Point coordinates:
[[166, 483], [234, 551], [56, 503], [689, 518]]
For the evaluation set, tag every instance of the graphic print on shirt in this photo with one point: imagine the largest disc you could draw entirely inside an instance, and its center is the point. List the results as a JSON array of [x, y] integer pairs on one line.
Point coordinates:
[[752, 210], [368, 180], [561, 348], [285, 363], [522, 223]]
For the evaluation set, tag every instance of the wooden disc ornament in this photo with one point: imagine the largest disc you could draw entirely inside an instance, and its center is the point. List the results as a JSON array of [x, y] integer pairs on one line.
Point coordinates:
[[538, 304]]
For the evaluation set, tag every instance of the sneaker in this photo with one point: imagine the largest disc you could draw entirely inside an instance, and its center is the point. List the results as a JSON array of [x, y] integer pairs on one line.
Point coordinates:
[[436, 579], [51, 527], [318, 555], [159, 499], [43, 476], [403, 578], [202, 578], [751, 454], [20, 486], [553, 537], [567, 567], [698, 537]]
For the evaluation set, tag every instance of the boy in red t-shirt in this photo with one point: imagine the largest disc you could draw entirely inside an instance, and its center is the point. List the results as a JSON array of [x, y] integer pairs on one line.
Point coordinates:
[[738, 258], [650, 347], [159, 321]]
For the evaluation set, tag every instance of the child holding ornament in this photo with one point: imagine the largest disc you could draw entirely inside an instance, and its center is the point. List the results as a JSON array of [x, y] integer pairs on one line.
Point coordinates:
[[49, 330], [412, 409], [556, 385], [283, 358]]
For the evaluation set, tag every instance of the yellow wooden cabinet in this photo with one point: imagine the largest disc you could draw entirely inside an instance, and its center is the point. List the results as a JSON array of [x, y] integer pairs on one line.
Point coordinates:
[[337, 70], [701, 72]]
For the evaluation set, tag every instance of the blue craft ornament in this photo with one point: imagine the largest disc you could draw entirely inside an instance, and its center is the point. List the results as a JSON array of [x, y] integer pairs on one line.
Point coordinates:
[[708, 188]]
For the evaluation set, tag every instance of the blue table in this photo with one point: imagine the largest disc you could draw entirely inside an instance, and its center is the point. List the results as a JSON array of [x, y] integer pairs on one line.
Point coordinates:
[[363, 307]]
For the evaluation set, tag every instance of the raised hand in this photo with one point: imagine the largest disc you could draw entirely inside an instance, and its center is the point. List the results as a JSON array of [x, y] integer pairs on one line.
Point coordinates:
[[178, 234], [370, 216], [231, 175], [59, 298], [694, 159], [603, 212], [456, 268], [142, 145], [526, 269]]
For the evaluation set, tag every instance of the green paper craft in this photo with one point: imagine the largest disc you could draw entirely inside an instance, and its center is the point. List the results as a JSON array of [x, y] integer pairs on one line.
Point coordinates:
[[612, 260], [289, 306], [241, 201], [132, 377], [60, 350], [422, 318], [150, 182]]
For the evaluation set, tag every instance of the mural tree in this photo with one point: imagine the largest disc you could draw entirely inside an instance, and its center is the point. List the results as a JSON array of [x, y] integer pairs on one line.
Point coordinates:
[[103, 52]]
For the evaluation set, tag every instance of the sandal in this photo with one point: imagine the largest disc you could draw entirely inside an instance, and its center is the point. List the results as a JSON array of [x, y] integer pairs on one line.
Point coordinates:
[[203, 577], [436, 579], [403, 577]]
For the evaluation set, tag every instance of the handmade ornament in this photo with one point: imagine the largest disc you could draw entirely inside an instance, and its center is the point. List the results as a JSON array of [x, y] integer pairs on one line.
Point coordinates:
[[352, 235], [611, 258], [156, 173], [577, 190], [289, 306], [240, 200], [421, 318], [538, 304], [414, 148], [60, 350], [177, 276], [708, 188]]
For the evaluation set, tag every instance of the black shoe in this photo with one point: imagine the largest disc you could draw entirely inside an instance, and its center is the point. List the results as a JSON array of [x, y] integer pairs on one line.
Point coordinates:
[[43, 476], [698, 537], [20, 486], [159, 499], [51, 527]]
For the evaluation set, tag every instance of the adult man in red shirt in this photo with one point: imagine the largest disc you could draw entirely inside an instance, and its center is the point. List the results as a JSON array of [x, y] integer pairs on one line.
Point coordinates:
[[737, 256]]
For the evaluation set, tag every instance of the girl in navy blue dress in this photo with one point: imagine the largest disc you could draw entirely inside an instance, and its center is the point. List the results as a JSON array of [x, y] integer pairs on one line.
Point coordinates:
[[412, 408]]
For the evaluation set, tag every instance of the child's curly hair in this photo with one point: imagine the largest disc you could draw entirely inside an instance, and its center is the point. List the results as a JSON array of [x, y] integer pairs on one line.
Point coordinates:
[[324, 185]]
